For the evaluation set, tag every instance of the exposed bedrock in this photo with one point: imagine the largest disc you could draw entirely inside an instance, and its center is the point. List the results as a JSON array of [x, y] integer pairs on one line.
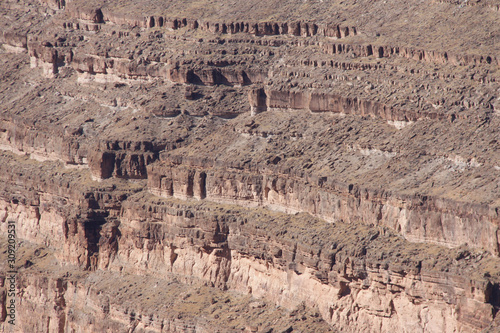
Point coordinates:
[[106, 159], [417, 218], [19, 136], [359, 277], [303, 29], [324, 169], [62, 304], [349, 271], [129, 159], [122, 159], [298, 28], [63, 299], [431, 56], [77, 221], [114, 66], [57, 207], [203, 74], [262, 99], [359, 194], [14, 42]]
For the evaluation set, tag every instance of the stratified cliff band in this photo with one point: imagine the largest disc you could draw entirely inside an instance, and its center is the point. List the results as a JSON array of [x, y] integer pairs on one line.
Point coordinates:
[[219, 166]]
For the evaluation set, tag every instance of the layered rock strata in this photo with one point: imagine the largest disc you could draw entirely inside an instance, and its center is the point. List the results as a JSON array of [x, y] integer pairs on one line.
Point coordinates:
[[339, 268], [64, 299], [346, 270], [250, 167], [154, 56], [58, 207], [324, 166]]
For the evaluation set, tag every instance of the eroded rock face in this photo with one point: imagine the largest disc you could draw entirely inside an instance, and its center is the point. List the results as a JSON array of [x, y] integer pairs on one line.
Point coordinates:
[[60, 299], [344, 270], [353, 274], [340, 162], [57, 207], [293, 63], [332, 187]]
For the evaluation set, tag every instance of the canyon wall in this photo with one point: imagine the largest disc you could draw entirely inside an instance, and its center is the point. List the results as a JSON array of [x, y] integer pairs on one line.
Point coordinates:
[[228, 167], [66, 300], [358, 277], [351, 288]]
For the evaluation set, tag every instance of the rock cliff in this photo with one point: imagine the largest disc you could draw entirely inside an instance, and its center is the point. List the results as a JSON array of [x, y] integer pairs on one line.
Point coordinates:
[[354, 275], [292, 166]]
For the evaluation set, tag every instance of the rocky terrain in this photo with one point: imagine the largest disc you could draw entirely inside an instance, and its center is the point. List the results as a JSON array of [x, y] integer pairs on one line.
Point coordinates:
[[227, 166]]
